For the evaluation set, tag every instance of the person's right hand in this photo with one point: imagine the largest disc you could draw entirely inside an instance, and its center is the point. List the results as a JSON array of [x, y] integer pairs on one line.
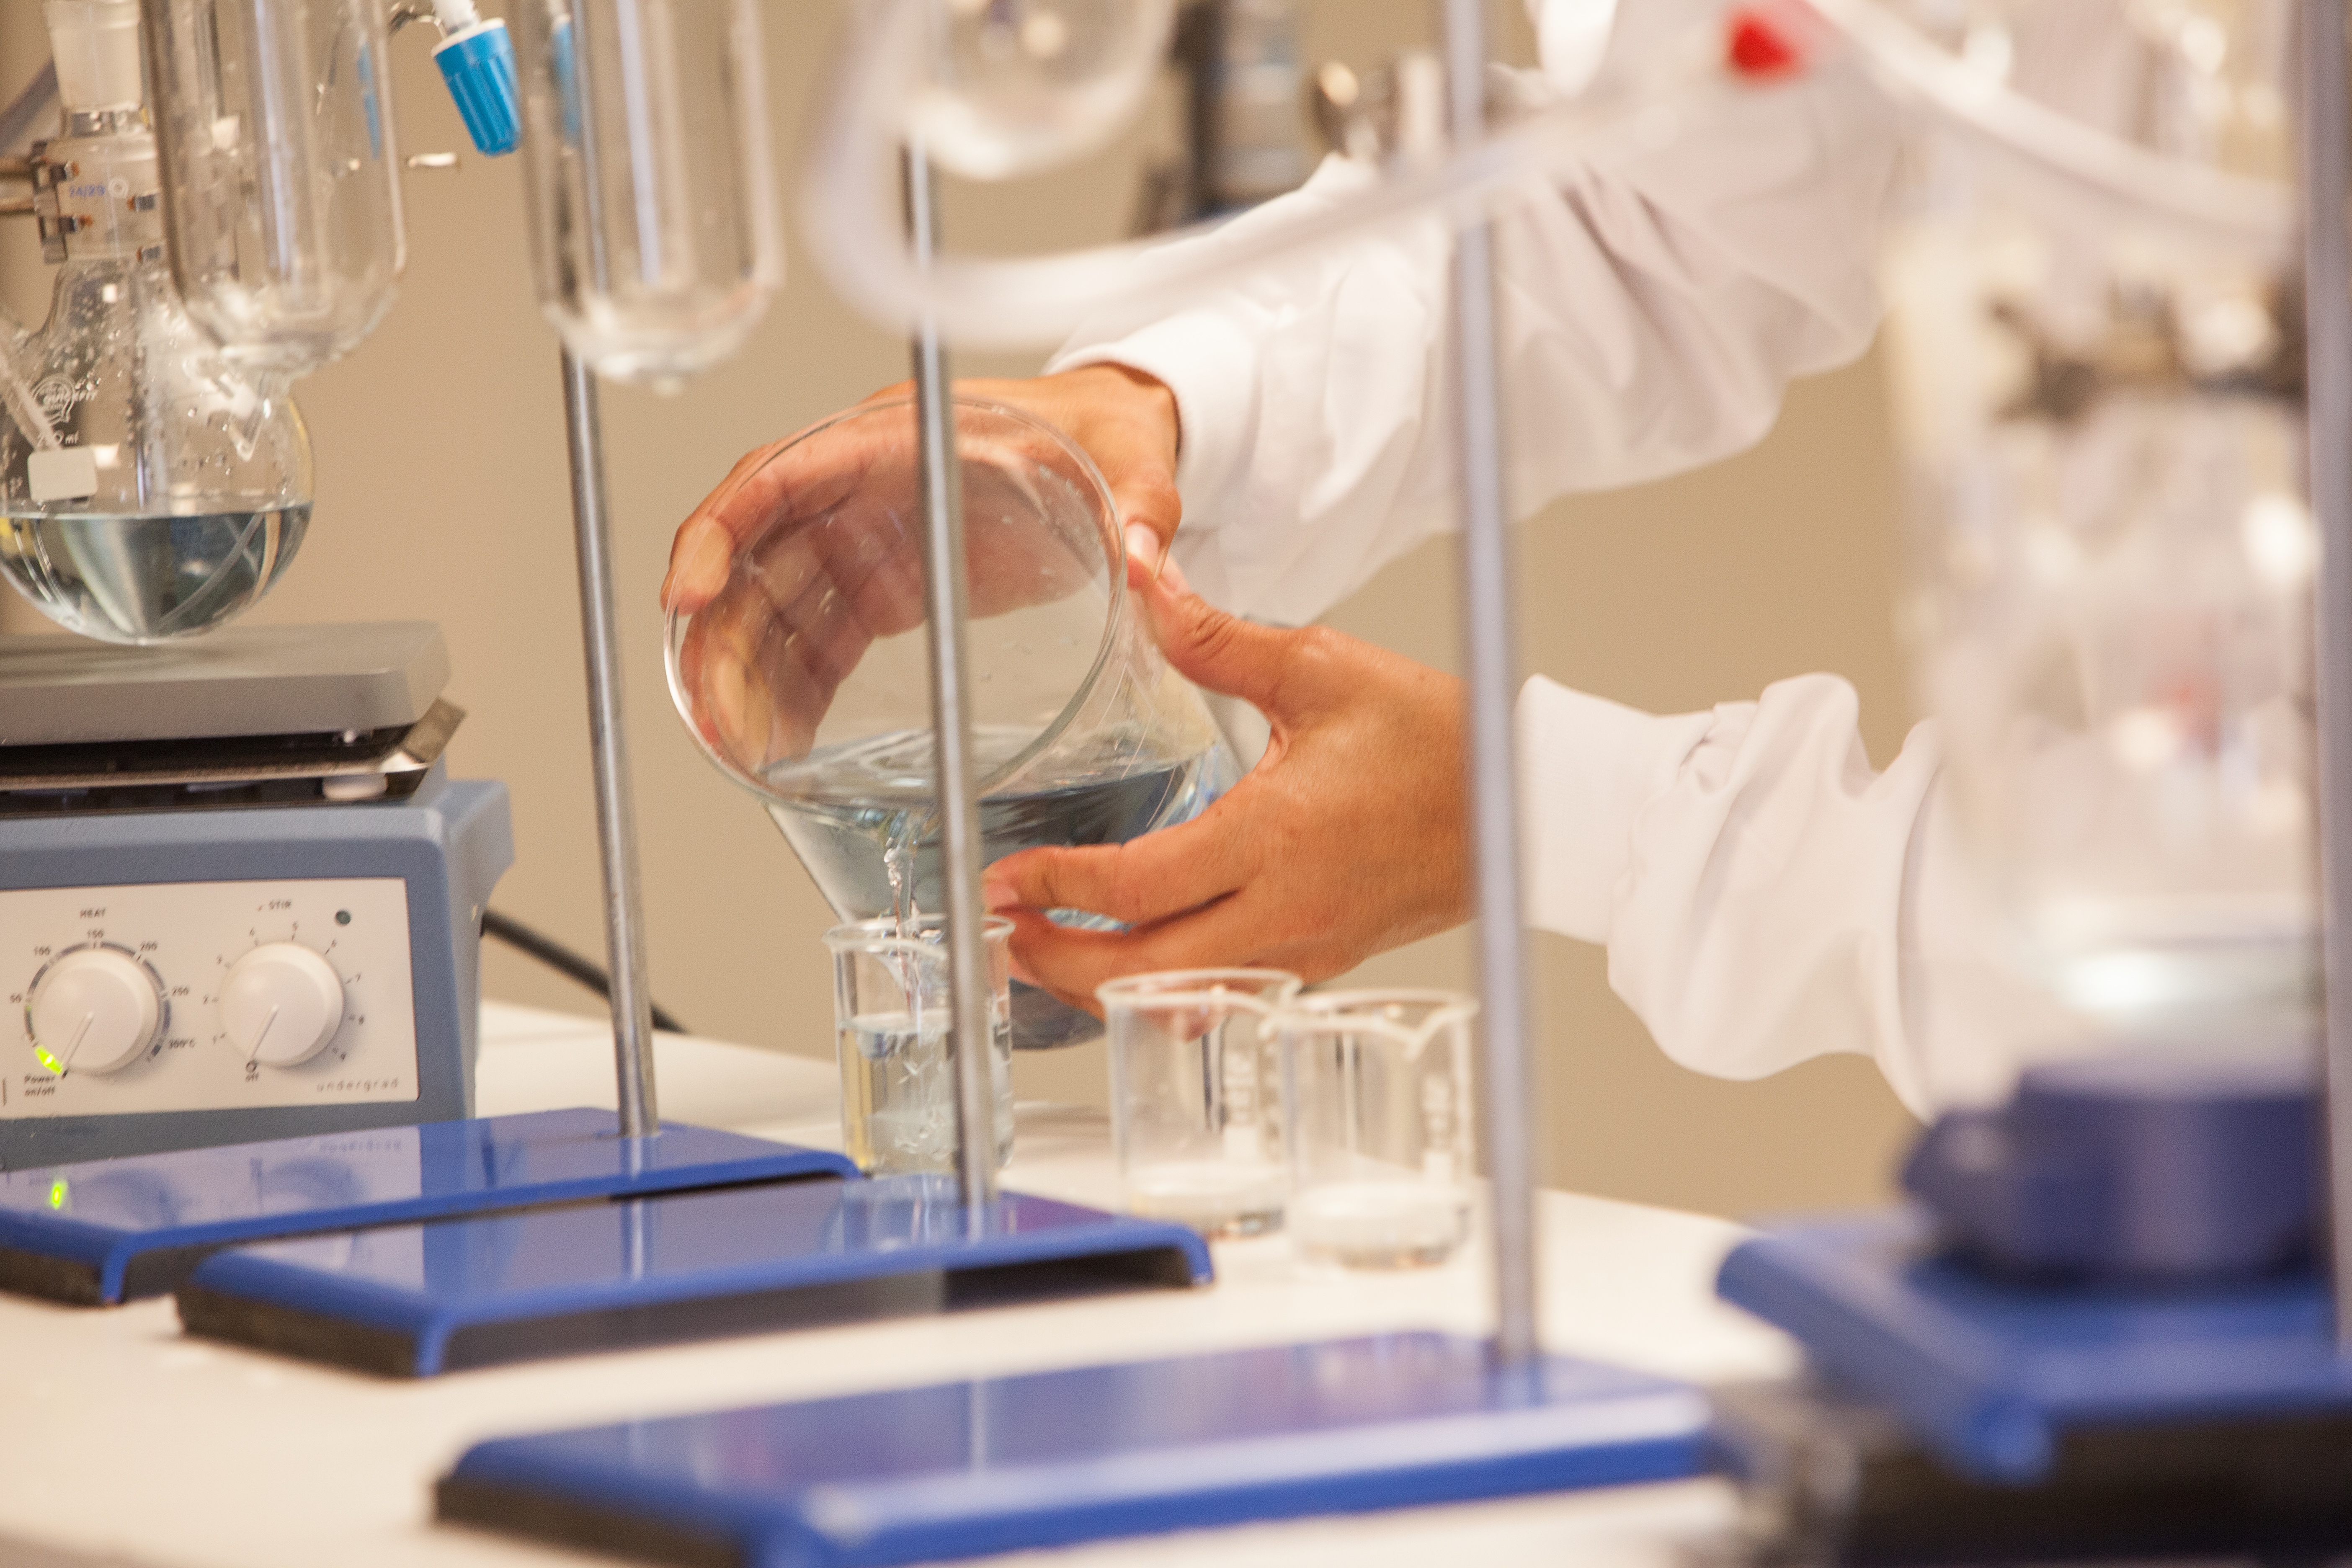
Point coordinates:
[[1349, 836], [839, 543]]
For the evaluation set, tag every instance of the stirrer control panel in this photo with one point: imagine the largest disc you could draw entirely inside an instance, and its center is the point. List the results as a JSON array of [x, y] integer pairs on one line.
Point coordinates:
[[206, 996]]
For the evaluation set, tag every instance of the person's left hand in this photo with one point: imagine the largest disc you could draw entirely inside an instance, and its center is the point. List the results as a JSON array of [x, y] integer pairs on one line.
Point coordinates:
[[1348, 837]]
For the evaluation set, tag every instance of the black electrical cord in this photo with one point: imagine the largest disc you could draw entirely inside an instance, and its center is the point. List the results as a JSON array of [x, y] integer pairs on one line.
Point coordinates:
[[564, 962]]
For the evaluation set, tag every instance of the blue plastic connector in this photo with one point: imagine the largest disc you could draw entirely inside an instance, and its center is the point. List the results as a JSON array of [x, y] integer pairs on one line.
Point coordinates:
[[479, 64]]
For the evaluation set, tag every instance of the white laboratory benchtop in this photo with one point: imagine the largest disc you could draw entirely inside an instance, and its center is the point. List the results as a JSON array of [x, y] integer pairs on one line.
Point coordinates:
[[124, 1444]]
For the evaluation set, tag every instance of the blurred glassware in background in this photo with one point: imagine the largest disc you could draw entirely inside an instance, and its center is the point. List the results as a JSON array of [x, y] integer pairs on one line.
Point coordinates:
[[150, 488], [807, 678], [1011, 87], [2095, 334], [281, 172], [653, 223], [1195, 1102], [990, 111]]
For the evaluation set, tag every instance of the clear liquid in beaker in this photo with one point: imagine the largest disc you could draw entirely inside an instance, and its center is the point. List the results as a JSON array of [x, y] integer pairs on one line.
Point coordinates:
[[148, 579], [859, 819], [898, 1089]]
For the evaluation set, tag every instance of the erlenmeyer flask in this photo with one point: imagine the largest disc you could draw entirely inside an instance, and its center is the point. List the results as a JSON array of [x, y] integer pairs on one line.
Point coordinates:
[[2095, 338], [807, 681]]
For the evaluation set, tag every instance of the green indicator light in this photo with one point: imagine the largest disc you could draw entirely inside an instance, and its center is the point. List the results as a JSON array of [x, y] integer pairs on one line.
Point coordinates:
[[57, 1191], [49, 1059]]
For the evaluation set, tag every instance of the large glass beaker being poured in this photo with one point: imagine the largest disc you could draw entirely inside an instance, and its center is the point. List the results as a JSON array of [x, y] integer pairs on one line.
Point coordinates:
[[806, 678], [2095, 337]]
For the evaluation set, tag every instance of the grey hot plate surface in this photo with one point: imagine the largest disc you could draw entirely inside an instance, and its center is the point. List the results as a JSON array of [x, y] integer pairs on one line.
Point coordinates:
[[244, 680]]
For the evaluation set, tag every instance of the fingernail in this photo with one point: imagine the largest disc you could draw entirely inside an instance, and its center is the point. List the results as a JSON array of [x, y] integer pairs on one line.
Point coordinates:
[[998, 896], [1143, 547], [705, 565]]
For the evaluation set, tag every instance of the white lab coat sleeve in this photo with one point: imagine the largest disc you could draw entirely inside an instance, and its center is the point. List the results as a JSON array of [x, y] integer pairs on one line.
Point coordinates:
[[1653, 311], [1755, 880]]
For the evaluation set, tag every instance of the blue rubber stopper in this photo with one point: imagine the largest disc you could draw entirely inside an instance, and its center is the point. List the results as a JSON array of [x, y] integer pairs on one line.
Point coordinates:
[[479, 64]]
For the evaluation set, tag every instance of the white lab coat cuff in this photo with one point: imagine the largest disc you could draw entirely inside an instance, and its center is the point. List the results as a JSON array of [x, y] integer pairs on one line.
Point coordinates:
[[1210, 365], [1587, 768]]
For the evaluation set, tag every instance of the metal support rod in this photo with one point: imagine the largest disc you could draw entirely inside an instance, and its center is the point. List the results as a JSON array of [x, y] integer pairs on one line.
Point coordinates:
[[969, 992], [2328, 293], [616, 824], [1489, 647]]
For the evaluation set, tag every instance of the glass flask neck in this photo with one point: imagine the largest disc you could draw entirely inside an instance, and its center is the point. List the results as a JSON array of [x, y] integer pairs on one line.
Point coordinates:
[[100, 195], [126, 285]]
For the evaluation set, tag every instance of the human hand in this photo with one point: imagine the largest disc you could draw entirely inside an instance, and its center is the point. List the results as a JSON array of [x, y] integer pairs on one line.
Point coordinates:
[[1123, 419], [1348, 837], [837, 528]]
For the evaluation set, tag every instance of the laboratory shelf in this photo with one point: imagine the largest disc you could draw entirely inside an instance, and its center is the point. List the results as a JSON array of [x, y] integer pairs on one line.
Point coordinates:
[[416, 1301], [1995, 1374], [106, 1231], [994, 1465]]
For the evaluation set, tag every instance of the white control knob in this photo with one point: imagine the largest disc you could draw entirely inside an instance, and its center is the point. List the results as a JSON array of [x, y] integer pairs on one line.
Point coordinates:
[[281, 1004], [94, 1009]]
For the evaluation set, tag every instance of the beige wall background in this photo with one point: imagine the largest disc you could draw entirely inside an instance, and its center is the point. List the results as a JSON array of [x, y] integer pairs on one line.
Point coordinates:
[[442, 496]]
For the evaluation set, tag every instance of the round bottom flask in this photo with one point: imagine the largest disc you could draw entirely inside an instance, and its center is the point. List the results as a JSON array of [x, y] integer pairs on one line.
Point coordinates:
[[148, 489]]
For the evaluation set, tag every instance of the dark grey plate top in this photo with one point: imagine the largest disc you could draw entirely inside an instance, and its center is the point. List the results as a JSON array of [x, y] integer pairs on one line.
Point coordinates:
[[244, 680]]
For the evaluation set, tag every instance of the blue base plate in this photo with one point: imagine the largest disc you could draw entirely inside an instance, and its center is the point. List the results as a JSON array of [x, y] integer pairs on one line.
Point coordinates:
[[414, 1301], [109, 1230], [1991, 1373], [964, 1469]]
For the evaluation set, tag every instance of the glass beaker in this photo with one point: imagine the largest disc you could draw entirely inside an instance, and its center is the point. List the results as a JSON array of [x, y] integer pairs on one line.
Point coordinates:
[[148, 487], [654, 219], [1375, 1119], [2096, 344], [281, 172], [891, 1025], [1195, 1115], [808, 682]]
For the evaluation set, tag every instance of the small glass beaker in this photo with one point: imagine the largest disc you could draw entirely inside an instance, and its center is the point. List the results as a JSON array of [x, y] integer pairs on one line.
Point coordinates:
[[1195, 1123], [891, 1025], [1376, 1120]]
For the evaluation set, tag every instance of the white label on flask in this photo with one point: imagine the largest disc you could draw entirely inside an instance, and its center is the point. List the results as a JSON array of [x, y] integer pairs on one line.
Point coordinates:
[[62, 473]]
